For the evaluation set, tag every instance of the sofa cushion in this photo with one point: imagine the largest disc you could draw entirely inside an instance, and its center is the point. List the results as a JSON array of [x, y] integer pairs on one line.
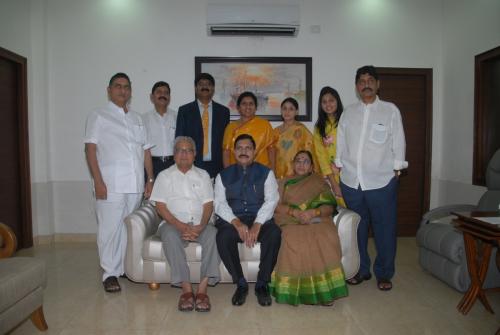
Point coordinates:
[[19, 276]]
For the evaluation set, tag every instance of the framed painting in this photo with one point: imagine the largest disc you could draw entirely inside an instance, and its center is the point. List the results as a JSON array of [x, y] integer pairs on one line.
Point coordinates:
[[271, 79]]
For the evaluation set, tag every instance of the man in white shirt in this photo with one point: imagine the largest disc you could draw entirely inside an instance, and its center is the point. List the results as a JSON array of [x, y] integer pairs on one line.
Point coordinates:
[[160, 123], [184, 199], [117, 154], [246, 194], [370, 153]]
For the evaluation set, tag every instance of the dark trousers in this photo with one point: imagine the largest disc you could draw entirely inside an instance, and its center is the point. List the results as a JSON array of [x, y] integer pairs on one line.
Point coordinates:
[[377, 208], [227, 245], [160, 165]]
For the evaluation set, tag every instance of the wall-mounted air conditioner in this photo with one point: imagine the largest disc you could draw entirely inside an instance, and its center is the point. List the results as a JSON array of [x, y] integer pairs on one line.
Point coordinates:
[[262, 20]]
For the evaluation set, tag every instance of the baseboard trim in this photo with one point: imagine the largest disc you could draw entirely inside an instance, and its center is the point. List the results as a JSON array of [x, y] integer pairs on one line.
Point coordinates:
[[50, 239]]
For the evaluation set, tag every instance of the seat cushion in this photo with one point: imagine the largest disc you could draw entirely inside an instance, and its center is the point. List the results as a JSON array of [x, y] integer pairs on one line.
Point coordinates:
[[19, 276]]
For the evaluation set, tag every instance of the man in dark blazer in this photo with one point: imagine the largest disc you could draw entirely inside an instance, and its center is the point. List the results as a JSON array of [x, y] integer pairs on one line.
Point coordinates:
[[189, 123]]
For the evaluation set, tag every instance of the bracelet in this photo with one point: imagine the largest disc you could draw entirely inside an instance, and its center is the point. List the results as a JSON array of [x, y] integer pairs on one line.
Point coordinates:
[[317, 212], [290, 211]]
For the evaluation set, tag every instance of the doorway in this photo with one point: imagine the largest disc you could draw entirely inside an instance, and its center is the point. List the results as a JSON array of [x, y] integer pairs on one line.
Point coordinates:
[[411, 91], [15, 185]]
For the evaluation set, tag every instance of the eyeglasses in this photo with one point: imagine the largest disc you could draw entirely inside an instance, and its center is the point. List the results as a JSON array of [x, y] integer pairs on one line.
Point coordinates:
[[184, 151]]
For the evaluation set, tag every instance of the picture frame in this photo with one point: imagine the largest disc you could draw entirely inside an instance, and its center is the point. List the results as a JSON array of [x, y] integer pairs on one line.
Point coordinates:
[[271, 79]]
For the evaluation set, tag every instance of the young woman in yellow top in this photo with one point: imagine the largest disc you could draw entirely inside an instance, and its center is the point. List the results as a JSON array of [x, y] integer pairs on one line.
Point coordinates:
[[291, 137], [260, 130], [325, 137]]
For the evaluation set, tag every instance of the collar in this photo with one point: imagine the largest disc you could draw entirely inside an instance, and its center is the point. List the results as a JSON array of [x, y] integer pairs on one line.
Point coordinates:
[[116, 109], [375, 102], [200, 104]]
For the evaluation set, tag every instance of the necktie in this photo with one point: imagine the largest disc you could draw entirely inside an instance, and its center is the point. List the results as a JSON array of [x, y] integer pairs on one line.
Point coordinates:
[[204, 124]]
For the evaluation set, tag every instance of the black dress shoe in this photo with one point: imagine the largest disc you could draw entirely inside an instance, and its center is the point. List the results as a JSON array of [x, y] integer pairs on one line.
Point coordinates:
[[263, 296], [240, 295], [358, 279], [111, 285]]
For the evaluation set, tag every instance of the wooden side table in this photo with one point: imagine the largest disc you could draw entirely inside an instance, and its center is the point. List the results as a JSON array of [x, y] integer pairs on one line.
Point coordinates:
[[479, 239]]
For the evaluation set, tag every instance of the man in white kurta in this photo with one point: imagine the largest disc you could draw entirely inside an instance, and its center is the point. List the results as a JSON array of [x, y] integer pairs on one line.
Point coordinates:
[[184, 199], [117, 153]]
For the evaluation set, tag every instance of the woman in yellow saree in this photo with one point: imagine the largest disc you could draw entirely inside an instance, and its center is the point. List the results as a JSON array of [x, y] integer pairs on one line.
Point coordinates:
[[291, 136], [309, 269], [260, 129]]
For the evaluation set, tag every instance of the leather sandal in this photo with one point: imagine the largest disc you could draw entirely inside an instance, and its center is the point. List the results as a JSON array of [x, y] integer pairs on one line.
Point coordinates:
[[202, 303], [384, 284], [186, 302]]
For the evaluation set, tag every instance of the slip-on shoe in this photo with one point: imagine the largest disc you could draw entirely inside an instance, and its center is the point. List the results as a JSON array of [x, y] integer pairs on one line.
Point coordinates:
[[263, 296], [240, 295]]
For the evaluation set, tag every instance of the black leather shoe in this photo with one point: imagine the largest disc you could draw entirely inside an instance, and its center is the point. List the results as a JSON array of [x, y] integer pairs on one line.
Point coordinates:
[[240, 295], [263, 296], [358, 279], [111, 285]]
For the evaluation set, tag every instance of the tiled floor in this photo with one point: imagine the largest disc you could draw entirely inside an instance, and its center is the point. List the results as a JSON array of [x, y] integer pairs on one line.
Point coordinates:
[[75, 303]]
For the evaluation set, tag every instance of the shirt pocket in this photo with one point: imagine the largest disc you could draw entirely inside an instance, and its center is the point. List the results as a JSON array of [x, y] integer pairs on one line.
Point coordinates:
[[138, 133], [378, 133]]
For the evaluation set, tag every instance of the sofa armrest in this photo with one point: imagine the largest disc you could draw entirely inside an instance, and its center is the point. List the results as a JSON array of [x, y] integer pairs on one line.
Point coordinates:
[[443, 211], [141, 224], [347, 223], [8, 241]]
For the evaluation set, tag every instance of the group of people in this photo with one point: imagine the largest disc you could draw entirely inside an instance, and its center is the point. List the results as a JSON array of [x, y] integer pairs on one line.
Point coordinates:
[[279, 187]]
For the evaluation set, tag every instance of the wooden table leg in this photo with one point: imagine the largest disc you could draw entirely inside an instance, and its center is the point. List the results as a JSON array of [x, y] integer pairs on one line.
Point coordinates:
[[477, 274]]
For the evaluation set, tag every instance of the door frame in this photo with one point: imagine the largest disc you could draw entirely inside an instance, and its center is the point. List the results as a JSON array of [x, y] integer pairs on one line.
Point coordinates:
[[26, 238], [427, 74]]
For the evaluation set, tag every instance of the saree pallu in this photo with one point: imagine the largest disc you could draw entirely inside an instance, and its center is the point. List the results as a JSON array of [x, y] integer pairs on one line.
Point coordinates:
[[297, 137], [309, 268], [325, 151]]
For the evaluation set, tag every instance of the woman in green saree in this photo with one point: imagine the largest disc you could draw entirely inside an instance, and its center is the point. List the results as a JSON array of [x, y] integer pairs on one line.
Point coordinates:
[[309, 270]]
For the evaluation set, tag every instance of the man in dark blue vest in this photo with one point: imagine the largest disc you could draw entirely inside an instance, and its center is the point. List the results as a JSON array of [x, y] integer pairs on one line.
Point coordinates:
[[246, 194]]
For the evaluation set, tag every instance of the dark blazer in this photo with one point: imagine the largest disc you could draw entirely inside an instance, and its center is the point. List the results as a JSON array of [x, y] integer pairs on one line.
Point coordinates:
[[189, 124]]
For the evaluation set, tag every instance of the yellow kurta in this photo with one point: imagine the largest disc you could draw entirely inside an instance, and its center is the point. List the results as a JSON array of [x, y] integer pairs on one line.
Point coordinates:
[[288, 142], [325, 152], [262, 133]]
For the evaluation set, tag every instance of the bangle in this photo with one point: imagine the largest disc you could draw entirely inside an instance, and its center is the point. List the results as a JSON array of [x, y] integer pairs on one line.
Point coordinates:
[[290, 211], [317, 212]]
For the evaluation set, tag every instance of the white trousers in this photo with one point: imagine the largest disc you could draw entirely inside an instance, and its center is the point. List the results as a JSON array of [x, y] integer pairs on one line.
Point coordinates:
[[111, 230]]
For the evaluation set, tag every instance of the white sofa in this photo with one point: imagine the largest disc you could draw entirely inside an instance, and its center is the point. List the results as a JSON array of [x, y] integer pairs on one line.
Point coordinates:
[[145, 261]]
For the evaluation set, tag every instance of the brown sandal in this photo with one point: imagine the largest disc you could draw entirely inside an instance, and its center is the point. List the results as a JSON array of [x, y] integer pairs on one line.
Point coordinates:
[[186, 302], [202, 303]]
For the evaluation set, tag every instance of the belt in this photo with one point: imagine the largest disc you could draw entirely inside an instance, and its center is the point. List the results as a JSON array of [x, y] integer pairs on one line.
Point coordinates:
[[163, 158]]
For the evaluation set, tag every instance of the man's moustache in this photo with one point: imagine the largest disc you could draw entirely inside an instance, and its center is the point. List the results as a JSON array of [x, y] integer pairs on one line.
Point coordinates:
[[205, 89], [367, 89], [163, 98]]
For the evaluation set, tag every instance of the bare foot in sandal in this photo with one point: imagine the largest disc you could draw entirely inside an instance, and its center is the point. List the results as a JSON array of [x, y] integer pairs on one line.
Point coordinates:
[[202, 303], [186, 302]]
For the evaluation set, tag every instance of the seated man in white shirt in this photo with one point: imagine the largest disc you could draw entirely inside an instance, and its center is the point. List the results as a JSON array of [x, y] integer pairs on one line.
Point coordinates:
[[246, 194], [184, 199]]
